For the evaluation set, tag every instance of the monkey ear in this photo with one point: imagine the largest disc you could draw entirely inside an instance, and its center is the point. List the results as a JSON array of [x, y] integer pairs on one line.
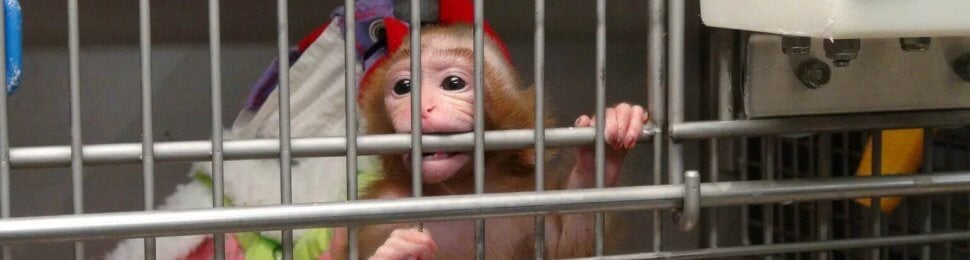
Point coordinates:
[[395, 30]]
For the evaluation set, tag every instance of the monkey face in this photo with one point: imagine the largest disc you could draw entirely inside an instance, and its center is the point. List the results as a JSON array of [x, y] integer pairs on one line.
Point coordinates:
[[447, 104]]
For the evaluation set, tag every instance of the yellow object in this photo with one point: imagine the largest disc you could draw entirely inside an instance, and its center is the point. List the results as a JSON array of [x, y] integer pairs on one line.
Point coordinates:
[[902, 153]]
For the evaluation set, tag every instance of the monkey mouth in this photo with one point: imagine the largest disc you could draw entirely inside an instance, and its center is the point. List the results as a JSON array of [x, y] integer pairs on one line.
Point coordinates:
[[447, 132], [437, 156]]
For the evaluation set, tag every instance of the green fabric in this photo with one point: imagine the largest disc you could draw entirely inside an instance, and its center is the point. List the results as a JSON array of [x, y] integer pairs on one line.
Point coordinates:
[[206, 180], [314, 242], [256, 246]]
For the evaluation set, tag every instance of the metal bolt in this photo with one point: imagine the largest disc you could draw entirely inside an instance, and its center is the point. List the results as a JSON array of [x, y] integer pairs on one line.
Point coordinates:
[[962, 67], [793, 45], [842, 51], [918, 44], [814, 73]]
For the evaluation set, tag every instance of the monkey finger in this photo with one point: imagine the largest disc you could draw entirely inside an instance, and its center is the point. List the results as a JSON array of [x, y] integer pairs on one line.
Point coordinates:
[[611, 129], [633, 133], [415, 251], [582, 121], [398, 248], [420, 237], [623, 115], [646, 114]]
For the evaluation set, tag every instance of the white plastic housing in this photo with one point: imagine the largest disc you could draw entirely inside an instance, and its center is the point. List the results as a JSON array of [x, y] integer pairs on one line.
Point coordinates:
[[842, 19]]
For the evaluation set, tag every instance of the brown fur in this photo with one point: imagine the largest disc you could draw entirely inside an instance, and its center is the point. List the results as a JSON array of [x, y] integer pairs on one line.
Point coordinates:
[[507, 106]]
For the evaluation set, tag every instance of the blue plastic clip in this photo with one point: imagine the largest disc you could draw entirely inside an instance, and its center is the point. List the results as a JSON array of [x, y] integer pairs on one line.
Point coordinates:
[[13, 30]]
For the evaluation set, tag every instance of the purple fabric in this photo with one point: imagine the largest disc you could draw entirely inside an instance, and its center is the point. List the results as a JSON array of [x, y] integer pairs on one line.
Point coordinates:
[[368, 11], [267, 82]]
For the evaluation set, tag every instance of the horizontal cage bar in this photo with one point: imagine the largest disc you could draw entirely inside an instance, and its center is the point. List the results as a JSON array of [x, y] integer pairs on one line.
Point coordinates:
[[101, 154], [165, 223], [816, 124]]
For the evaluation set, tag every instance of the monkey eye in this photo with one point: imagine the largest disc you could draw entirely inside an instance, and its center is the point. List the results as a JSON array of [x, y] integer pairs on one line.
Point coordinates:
[[402, 87], [453, 83]]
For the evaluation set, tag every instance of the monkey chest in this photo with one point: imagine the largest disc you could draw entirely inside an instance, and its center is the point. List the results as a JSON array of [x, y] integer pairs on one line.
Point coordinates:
[[507, 238]]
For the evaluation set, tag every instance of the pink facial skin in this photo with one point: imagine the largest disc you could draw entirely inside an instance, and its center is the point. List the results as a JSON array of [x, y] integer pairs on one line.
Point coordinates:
[[445, 109]]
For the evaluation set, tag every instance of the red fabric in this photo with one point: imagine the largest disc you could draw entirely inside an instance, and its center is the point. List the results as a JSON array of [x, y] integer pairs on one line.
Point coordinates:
[[449, 12], [205, 250], [463, 11], [309, 39], [395, 30]]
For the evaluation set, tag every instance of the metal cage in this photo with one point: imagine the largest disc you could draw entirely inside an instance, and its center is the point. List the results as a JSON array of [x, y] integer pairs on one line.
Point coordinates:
[[792, 196]]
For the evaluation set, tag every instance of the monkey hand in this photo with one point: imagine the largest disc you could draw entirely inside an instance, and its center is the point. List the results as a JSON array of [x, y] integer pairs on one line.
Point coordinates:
[[624, 122], [407, 244]]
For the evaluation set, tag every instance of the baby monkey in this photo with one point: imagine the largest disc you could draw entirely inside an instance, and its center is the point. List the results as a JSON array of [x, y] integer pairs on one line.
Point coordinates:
[[447, 107]]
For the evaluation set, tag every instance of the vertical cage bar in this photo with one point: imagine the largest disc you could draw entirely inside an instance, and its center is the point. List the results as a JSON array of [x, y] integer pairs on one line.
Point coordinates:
[[846, 213], [600, 115], [283, 33], [904, 207], [479, 122], [743, 175], [796, 219], [4, 138], [780, 173], [147, 137], [876, 202], [657, 92], [948, 200], [712, 177], [416, 148], [927, 227], [812, 172], [824, 209], [350, 106], [723, 47], [215, 76], [540, 127], [675, 74], [768, 148], [77, 165]]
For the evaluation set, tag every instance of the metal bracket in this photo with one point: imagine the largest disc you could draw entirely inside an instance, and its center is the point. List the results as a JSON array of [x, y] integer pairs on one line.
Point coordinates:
[[687, 217], [882, 78]]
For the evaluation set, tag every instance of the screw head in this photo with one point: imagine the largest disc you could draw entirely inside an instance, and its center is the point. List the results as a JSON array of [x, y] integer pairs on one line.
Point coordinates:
[[814, 73], [917, 44], [842, 51], [793, 45]]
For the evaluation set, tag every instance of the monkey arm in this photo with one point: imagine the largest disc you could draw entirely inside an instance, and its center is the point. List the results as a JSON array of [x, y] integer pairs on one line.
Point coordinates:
[[370, 239], [569, 236], [572, 235], [623, 125]]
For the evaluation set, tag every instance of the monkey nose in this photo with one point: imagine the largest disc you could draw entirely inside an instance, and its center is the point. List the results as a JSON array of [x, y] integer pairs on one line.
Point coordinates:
[[426, 112]]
